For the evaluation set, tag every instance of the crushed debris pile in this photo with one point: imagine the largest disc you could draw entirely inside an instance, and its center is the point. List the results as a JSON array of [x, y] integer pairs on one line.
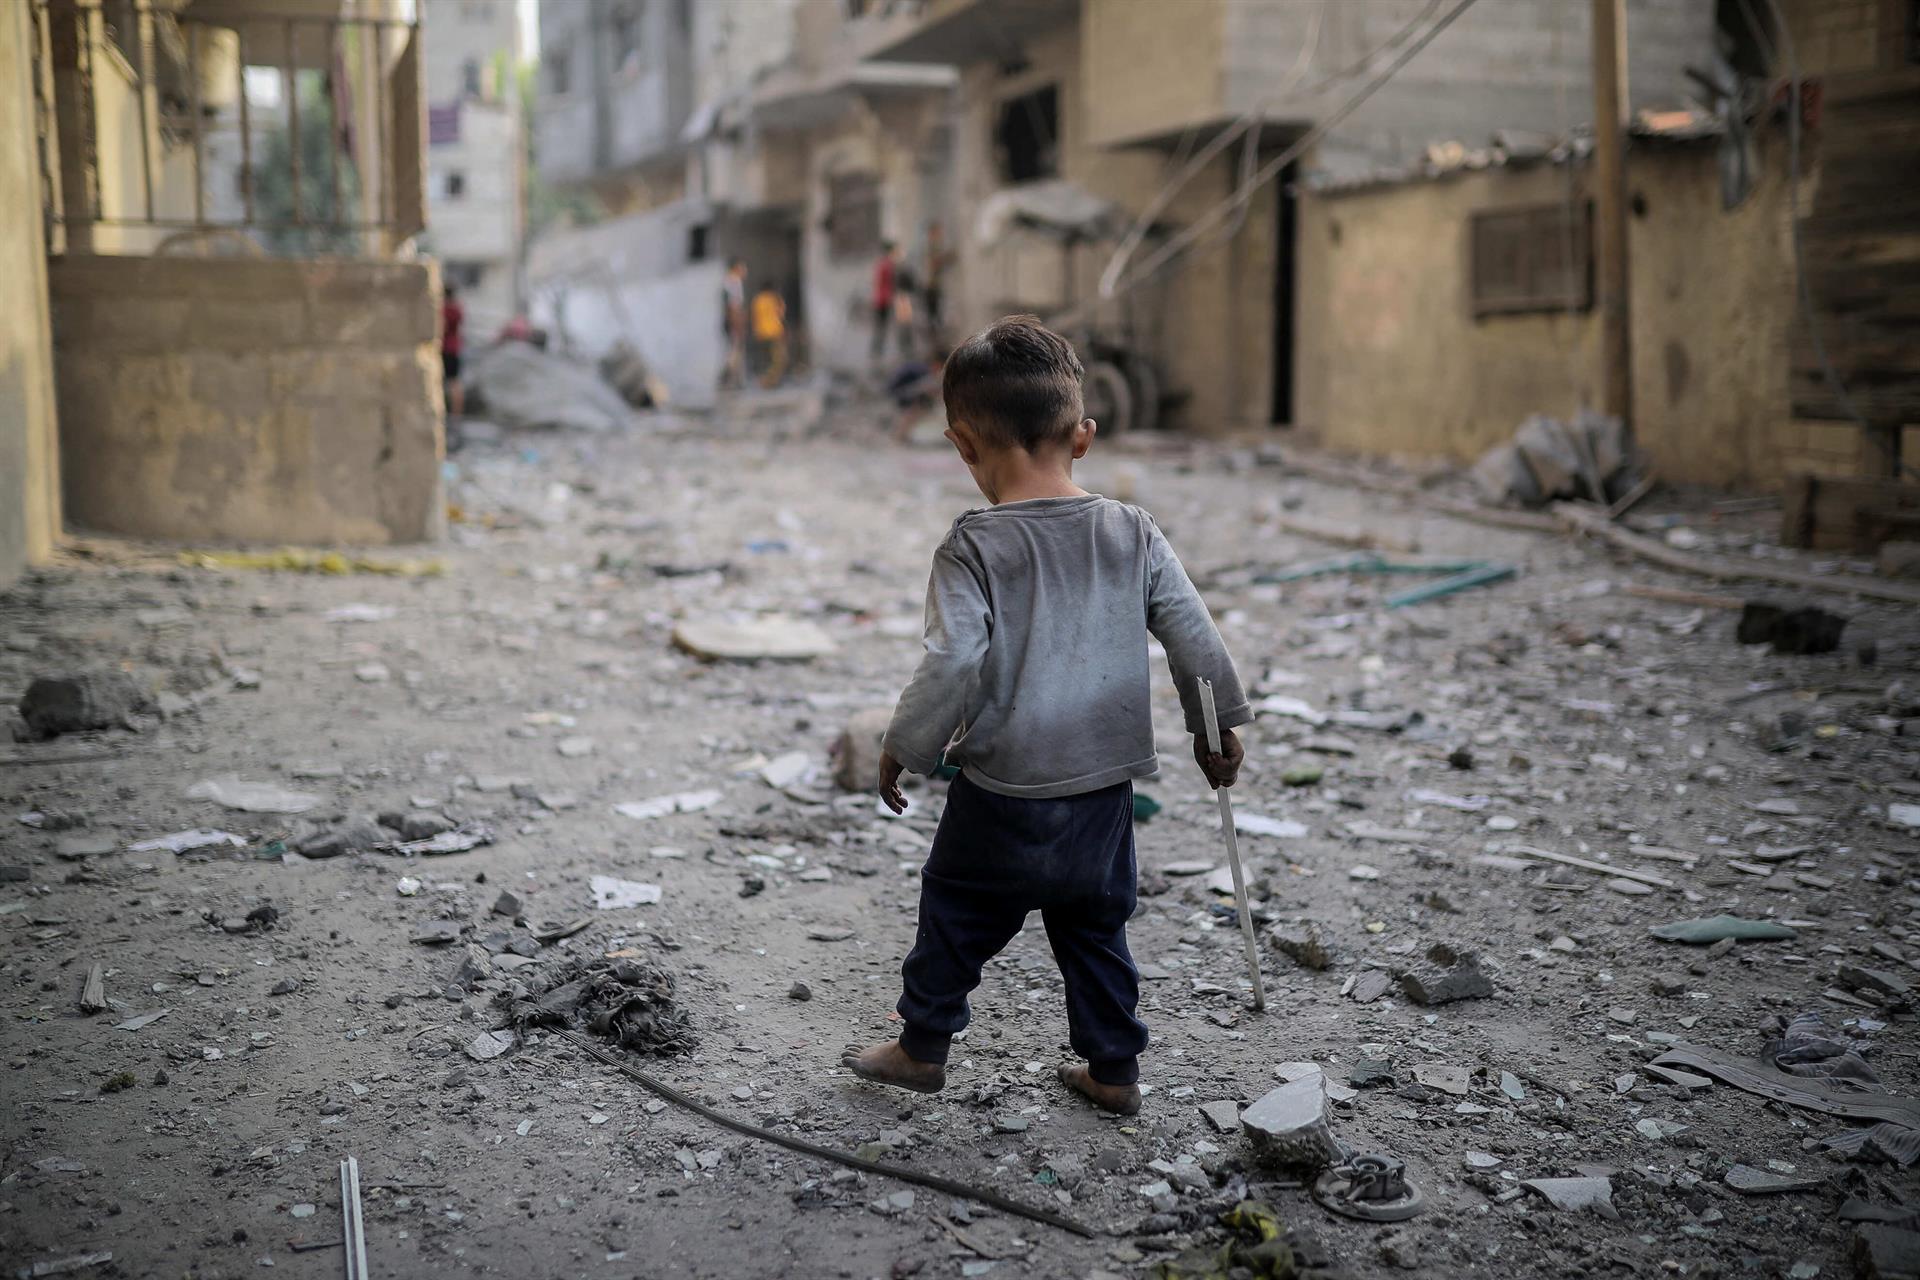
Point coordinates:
[[517, 386], [1549, 460], [627, 1001]]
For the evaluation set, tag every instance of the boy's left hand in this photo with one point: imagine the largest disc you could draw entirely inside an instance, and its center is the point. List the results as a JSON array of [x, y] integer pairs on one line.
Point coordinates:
[[890, 770], [1223, 768]]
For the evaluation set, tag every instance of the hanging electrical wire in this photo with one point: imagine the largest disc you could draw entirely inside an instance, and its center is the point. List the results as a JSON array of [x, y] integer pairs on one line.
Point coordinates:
[[1206, 225], [1250, 124]]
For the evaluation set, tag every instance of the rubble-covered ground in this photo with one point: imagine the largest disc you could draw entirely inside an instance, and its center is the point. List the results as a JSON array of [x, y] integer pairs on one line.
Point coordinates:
[[534, 686]]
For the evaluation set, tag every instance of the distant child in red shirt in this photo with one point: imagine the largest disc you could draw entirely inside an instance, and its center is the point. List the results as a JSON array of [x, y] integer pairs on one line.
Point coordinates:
[[451, 317]]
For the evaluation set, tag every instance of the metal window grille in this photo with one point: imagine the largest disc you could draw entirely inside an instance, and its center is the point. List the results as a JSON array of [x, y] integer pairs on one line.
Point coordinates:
[[1537, 258], [222, 117]]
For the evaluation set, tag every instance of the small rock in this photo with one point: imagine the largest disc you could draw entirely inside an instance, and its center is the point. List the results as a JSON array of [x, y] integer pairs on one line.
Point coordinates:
[[508, 904], [1288, 1125], [78, 848], [1451, 975], [1301, 942], [800, 991], [1669, 984], [53, 705], [1223, 1116]]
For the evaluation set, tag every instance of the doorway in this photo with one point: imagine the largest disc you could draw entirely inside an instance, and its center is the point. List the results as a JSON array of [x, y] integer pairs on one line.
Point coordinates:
[[1286, 222]]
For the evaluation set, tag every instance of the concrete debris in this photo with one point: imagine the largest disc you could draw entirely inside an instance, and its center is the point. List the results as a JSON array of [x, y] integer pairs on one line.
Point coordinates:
[[856, 754], [612, 894], [233, 792], [1254, 824], [661, 806], [1749, 1181], [521, 387], [1449, 975], [1288, 1126], [81, 846], [629, 1002], [1223, 1116], [1886, 1253], [1302, 943], [1800, 630], [1547, 460], [489, 1045], [773, 637], [627, 372], [189, 841], [1576, 1195], [53, 705]]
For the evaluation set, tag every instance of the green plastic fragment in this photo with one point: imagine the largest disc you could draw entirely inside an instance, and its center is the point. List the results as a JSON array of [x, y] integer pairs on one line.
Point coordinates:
[[1699, 933], [1144, 807], [1303, 775]]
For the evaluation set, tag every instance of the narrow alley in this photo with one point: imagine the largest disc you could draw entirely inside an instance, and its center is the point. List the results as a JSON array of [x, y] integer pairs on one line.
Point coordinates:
[[302, 989]]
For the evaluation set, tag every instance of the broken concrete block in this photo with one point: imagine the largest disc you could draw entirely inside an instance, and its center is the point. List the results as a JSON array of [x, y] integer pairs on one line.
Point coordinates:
[[1886, 1253], [1302, 943], [1576, 1194], [475, 966], [1879, 981], [1288, 1126], [1450, 975], [415, 826], [1223, 1116], [856, 756], [1370, 986], [53, 705], [774, 637]]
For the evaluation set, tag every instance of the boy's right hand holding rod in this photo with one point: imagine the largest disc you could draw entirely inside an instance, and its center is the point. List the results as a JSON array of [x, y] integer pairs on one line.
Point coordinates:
[[1221, 768]]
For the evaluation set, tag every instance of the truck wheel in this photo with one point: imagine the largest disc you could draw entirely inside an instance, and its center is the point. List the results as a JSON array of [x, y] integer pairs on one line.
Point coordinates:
[[1109, 400]]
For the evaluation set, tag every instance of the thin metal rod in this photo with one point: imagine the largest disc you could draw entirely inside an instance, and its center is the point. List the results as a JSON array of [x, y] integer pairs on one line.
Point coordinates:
[[330, 79], [246, 131], [141, 30], [918, 1177], [1233, 848], [382, 133], [193, 124], [293, 124], [353, 1220]]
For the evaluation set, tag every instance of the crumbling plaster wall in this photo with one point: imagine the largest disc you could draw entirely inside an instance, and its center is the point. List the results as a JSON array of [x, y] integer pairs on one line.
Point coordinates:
[[29, 455], [1392, 360], [235, 400]]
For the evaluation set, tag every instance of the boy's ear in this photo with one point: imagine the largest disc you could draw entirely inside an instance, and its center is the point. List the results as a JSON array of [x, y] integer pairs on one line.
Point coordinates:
[[1083, 437], [964, 442]]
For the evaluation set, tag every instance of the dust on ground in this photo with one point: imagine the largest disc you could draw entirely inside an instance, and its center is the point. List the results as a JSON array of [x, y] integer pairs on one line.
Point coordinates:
[[534, 686]]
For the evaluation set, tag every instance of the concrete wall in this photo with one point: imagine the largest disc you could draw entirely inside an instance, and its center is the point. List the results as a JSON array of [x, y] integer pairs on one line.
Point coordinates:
[[1393, 362], [234, 400], [1208, 322], [613, 116], [29, 455], [1505, 64], [628, 279], [1838, 37]]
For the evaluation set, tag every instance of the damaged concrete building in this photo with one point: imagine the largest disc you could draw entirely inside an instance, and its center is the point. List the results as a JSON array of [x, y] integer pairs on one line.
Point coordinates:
[[207, 350]]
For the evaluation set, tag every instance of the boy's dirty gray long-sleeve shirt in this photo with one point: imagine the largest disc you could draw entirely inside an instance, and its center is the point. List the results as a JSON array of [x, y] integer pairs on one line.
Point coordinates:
[[1036, 668]]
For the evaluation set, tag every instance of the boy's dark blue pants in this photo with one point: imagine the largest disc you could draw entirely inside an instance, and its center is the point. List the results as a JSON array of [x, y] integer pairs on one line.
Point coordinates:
[[994, 859]]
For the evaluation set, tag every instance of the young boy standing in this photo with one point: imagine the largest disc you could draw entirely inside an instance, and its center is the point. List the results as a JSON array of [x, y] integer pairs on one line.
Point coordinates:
[[1036, 683]]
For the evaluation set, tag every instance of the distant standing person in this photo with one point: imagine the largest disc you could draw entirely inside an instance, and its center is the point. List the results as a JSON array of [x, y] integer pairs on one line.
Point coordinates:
[[939, 258], [733, 322], [452, 315], [886, 293], [770, 331]]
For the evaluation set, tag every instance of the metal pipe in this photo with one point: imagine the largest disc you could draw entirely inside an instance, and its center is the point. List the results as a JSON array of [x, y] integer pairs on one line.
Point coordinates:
[[246, 130], [290, 69], [141, 30], [193, 123], [333, 123]]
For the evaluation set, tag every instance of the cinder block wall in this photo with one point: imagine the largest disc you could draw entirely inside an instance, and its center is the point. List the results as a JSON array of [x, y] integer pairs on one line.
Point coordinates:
[[236, 400], [29, 467]]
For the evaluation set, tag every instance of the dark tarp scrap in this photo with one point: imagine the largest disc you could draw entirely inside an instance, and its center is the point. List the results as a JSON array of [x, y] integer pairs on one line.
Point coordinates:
[[1808, 1047], [628, 1002], [1885, 1143]]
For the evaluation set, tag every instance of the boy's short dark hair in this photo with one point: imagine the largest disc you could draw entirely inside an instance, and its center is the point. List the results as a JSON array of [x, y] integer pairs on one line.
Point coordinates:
[[1016, 382]]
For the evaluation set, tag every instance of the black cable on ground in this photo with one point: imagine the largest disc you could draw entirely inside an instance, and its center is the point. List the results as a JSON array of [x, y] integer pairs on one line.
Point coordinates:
[[931, 1180]]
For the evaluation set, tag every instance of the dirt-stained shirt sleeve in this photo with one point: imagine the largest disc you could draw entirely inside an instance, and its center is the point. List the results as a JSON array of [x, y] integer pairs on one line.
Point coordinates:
[[959, 623], [1178, 618]]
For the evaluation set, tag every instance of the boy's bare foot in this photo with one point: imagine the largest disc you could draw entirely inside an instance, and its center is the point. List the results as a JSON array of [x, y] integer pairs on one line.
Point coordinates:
[[889, 1064], [1121, 1099]]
